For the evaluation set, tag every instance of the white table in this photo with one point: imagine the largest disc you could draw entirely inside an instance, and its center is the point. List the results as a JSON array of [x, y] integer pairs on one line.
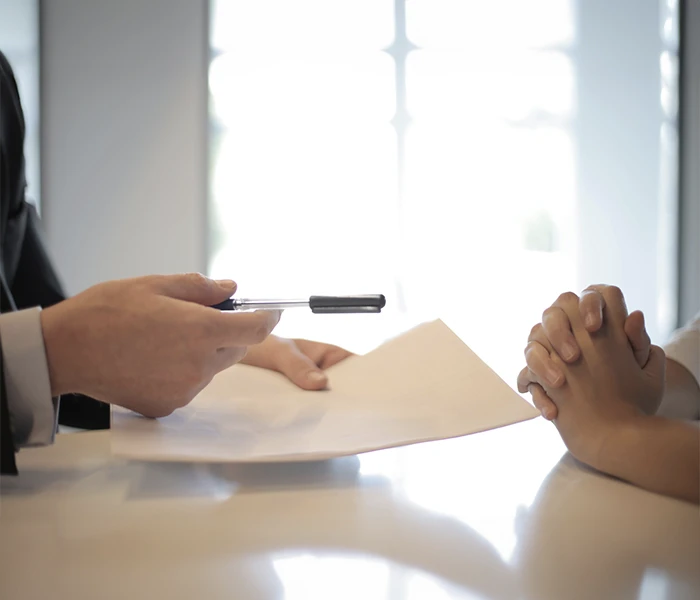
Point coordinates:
[[494, 515]]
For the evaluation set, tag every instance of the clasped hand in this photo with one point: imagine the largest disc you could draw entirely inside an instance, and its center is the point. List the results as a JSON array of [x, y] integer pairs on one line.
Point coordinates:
[[592, 369]]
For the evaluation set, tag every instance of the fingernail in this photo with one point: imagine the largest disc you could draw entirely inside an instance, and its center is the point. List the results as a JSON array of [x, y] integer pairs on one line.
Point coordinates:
[[553, 376], [317, 377], [568, 352], [590, 320], [543, 412], [227, 284]]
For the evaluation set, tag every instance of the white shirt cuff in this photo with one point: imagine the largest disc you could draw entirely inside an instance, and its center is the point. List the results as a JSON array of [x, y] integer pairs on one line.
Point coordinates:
[[33, 413]]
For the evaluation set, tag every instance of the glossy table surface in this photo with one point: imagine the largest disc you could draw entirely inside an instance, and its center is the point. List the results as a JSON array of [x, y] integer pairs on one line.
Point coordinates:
[[501, 514]]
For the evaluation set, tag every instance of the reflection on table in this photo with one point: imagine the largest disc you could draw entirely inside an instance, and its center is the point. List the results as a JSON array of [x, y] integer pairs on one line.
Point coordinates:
[[502, 514]]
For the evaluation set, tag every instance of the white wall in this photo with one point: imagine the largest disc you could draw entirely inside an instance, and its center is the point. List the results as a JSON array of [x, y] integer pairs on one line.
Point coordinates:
[[19, 41], [618, 126], [124, 137]]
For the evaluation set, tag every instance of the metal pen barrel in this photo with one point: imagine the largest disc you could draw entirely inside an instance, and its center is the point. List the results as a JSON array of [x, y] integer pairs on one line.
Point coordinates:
[[265, 304]]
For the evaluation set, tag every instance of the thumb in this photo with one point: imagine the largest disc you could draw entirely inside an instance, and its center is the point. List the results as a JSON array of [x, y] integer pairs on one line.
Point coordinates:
[[638, 337], [301, 370], [194, 287], [656, 365], [543, 402]]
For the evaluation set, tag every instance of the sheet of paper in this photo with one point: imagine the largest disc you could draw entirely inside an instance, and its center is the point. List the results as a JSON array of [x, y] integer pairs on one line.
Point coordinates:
[[423, 385]]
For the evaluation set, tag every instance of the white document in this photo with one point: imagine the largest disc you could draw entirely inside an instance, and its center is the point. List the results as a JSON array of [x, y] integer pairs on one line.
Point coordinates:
[[423, 385]]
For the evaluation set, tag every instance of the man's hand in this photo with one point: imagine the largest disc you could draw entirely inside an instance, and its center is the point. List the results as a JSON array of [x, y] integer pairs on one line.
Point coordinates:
[[150, 344], [595, 303], [604, 391], [301, 361]]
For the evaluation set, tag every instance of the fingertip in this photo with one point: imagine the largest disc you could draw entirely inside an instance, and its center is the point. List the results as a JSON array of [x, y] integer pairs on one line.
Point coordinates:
[[636, 319], [591, 309], [635, 329], [542, 403], [273, 316], [229, 285], [547, 410], [316, 380], [542, 406]]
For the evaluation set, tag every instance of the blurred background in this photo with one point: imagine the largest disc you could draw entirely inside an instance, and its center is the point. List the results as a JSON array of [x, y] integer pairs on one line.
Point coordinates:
[[470, 160]]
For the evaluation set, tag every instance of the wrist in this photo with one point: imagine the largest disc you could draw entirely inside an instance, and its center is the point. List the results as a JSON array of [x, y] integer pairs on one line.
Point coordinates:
[[624, 447], [59, 352]]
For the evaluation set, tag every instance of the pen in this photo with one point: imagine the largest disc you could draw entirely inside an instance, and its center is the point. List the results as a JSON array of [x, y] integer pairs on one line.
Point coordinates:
[[371, 303]]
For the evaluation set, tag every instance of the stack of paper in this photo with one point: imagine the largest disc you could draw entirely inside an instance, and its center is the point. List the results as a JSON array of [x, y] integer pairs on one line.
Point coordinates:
[[424, 385]]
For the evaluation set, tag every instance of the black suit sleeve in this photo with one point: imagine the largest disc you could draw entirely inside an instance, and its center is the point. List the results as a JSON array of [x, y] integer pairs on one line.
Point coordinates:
[[7, 447], [34, 281], [26, 273]]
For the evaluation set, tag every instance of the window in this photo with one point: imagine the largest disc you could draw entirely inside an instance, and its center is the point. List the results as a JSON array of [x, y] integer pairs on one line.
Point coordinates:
[[450, 154]]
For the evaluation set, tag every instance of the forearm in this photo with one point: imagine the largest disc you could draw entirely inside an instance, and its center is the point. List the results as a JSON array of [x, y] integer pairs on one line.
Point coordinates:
[[682, 395], [658, 454]]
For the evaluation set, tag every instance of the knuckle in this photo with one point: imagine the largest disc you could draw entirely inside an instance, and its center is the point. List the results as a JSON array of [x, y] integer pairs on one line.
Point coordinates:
[[614, 293], [567, 299], [148, 281], [535, 333], [553, 316], [524, 379], [531, 352], [532, 363], [197, 279], [549, 312]]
